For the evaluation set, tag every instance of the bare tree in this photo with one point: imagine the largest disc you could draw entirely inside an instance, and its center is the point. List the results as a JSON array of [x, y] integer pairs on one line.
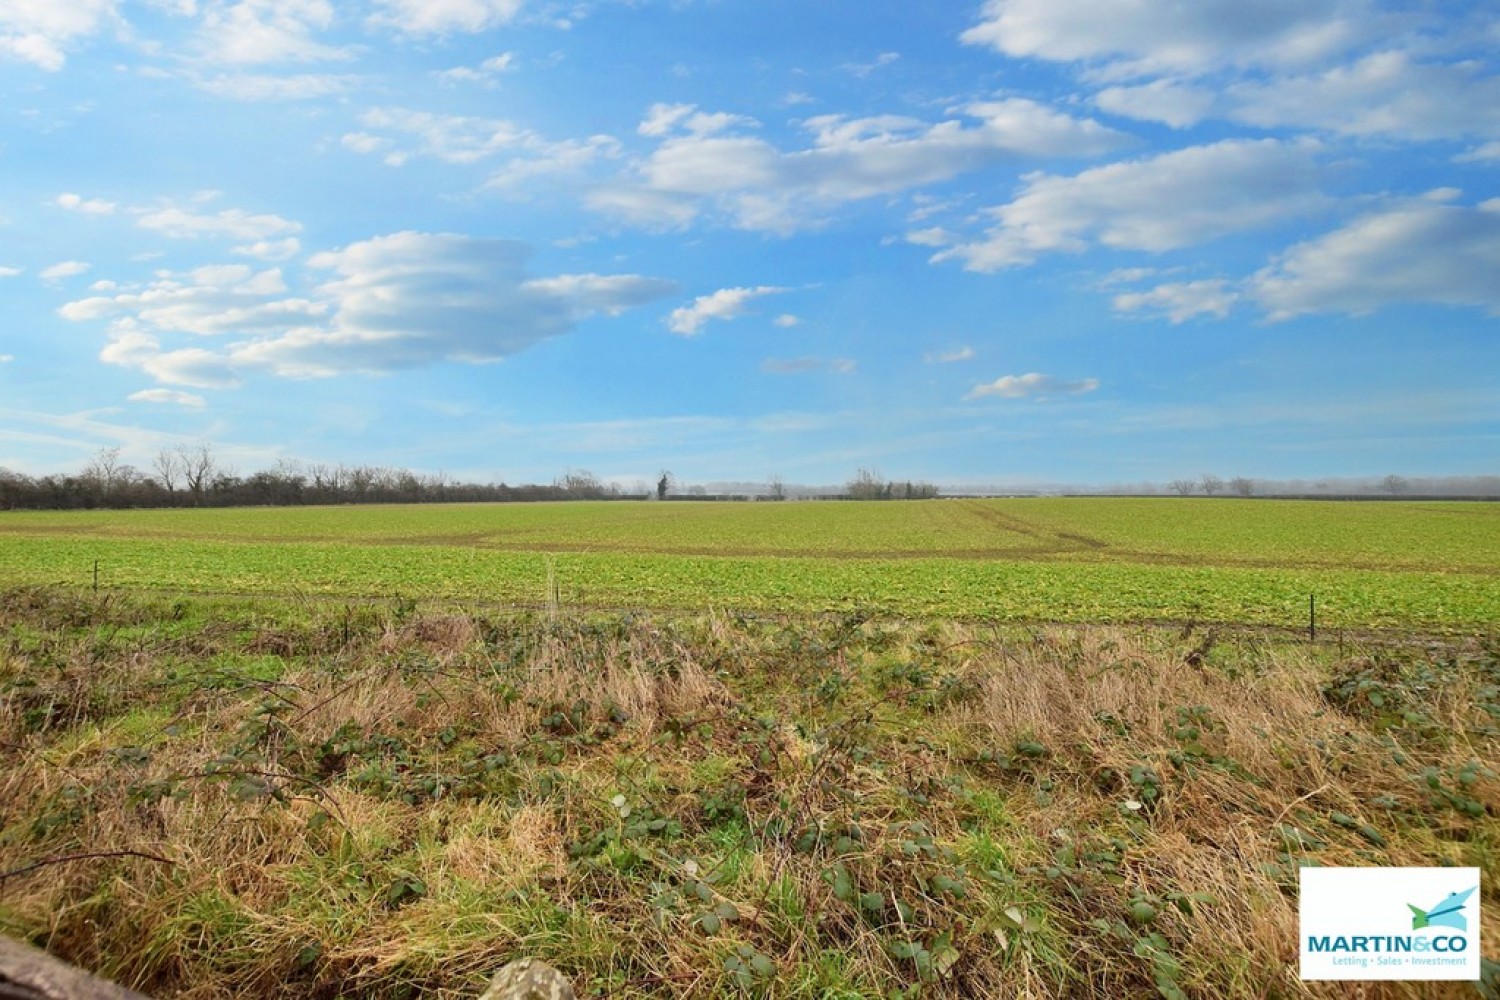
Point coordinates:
[[777, 488], [168, 467], [197, 465], [1394, 485], [103, 472], [1242, 486], [1210, 483], [1184, 487], [664, 483], [868, 485]]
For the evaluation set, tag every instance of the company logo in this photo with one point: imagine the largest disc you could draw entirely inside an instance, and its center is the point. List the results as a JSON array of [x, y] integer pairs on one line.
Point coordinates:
[[1448, 913], [1355, 925]]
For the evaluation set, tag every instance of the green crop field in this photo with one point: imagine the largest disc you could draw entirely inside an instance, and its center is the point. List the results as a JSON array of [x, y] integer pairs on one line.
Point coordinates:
[[381, 751], [1369, 565], [1388, 564]]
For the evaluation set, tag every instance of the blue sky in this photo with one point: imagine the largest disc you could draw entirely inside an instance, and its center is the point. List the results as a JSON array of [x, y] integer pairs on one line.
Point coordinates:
[[1014, 241]]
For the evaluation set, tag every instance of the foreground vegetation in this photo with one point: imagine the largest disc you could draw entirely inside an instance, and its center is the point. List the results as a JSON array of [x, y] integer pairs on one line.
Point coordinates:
[[210, 798], [1388, 565]]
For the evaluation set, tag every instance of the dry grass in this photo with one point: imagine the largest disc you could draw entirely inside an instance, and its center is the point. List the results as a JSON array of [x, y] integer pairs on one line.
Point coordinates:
[[396, 804]]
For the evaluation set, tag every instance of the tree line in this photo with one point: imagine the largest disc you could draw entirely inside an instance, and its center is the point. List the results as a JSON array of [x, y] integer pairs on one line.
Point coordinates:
[[1211, 485], [193, 476]]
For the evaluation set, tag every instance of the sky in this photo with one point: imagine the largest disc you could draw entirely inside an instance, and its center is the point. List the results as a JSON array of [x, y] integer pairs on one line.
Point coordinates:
[[1005, 241]]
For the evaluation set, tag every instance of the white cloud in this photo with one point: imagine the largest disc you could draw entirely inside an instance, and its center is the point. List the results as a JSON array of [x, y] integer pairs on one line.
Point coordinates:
[[256, 32], [949, 357], [485, 73], [1167, 101], [1165, 202], [388, 303], [442, 17], [725, 304], [41, 31], [231, 223], [1147, 37], [702, 164], [663, 119], [6, 359], [1181, 301], [364, 142], [266, 87], [10, 272], [64, 269], [172, 397], [553, 159], [1382, 94], [786, 321], [1486, 153], [808, 366], [89, 206], [464, 140], [1423, 251], [1032, 385], [881, 61], [271, 250], [450, 138], [208, 301]]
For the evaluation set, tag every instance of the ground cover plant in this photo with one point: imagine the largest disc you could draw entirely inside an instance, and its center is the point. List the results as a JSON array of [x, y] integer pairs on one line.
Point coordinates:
[[1434, 566], [211, 797]]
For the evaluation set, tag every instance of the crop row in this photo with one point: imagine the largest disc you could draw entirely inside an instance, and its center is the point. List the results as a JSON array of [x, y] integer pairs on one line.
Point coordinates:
[[918, 587]]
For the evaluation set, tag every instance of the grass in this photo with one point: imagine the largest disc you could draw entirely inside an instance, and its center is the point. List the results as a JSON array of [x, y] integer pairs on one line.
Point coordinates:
[[1369, 565], [213, 797]]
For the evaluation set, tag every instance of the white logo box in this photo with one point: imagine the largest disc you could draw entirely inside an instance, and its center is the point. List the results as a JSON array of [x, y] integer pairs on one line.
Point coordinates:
[[1390, 923]]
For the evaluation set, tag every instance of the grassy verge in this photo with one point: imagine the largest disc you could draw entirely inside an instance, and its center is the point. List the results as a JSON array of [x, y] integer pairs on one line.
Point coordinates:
[[213, 799]]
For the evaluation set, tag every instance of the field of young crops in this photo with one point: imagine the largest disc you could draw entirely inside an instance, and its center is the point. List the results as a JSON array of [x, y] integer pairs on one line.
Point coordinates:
[[1387, 564]]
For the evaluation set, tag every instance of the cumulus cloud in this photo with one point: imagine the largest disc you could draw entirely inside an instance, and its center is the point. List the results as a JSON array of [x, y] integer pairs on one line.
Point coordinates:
[[1383, 94], [1181, 301], [388, 303], [271, 250], [450, 138], [444, 17], [1031, 386], [1170, 102], [208, 301], [64, 269], [182, 224], [708, 163], [1212, 191], [400, 134], [169, 397], [88, 206], [41, 32], [1350, 67], [10, 272], [808, 366], [725, 304], [256, 32], [949, 357], [485, 73], [1148, 37], [1487, 153], [1423, 251]]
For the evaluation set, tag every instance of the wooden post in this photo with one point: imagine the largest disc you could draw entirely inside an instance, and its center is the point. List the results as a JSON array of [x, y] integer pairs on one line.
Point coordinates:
[[1312, 618], [96, 576], [29, 974]]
